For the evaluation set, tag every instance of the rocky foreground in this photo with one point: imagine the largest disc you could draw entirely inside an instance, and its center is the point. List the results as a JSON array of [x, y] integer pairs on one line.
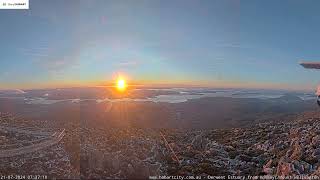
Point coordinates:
[[23, 158], [284, 147], [272, 148], [280, 148]]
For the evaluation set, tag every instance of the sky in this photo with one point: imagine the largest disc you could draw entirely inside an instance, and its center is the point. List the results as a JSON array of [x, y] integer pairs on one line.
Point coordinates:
[[251, 44]]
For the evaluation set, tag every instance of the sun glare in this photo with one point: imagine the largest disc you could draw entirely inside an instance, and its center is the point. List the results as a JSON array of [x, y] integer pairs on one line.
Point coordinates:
[[121, 84]]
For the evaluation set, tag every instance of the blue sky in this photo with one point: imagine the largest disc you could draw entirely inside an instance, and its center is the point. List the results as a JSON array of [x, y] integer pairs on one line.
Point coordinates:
[[214, 43]]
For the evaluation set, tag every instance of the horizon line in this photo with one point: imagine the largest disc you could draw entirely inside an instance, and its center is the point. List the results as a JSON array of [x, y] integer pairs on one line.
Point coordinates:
[[162, 85]]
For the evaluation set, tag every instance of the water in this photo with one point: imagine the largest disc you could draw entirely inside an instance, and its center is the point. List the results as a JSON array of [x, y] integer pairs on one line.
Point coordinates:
[[183, 95]]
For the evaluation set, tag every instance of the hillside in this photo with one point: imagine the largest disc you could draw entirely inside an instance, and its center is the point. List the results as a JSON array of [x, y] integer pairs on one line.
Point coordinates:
[[288, 146]]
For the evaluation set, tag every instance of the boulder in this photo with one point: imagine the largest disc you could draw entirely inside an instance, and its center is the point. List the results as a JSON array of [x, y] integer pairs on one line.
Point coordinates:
[[297, 151], [284, 167]]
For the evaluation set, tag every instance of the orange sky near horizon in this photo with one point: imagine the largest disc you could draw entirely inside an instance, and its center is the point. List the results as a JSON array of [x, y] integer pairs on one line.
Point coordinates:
[[149, 83]]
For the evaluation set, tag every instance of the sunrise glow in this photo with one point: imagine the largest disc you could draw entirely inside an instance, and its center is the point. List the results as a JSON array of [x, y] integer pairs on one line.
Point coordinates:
[[121, 84]]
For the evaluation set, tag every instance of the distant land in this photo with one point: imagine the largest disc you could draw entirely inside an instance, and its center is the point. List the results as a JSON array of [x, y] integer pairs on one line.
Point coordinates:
[[190, 108]]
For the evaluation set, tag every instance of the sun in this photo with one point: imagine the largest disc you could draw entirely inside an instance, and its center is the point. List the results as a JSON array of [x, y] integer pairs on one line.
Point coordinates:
[[121, 84]]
